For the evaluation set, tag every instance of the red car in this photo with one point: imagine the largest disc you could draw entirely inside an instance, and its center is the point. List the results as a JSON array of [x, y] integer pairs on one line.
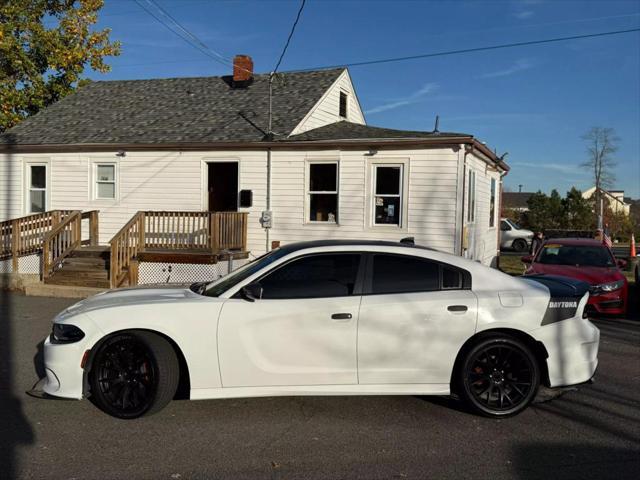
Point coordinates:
[[590, 261]]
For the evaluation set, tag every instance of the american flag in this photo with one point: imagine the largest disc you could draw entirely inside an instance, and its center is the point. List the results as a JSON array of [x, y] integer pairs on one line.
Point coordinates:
[[607, 240]]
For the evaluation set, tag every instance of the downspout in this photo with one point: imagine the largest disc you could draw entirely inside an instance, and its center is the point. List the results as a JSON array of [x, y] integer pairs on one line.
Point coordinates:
[[467, 150]]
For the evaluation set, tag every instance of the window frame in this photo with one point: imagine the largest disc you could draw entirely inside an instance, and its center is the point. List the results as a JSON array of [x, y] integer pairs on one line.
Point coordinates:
[[357, 288], [400, 195], [493, 194], [28, 188], [466, 283], [95, 164], [471, 196], [343, 95], [309, 192]]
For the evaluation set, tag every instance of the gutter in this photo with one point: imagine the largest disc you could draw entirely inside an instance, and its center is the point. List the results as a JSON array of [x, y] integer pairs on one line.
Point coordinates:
[[363, 143]]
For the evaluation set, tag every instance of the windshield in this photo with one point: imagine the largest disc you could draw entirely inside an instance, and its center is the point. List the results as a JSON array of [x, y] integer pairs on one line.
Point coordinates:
[[514, 224], [556, 254], [215, 289]]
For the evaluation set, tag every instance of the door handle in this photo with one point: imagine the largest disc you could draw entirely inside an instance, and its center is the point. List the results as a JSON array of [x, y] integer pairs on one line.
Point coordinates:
[[341, 316], [457, 308]]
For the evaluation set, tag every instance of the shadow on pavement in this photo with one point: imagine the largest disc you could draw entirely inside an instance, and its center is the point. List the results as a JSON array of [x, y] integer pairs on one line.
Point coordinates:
[[569, 461], [15, 429]]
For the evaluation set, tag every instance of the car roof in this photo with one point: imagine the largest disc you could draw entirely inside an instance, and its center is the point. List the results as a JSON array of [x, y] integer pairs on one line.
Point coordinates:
[[293, 247], [590, 242]]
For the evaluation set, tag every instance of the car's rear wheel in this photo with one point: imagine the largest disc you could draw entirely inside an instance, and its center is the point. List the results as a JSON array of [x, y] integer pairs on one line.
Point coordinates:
[[520, 245], [499, 376], [134, 374]]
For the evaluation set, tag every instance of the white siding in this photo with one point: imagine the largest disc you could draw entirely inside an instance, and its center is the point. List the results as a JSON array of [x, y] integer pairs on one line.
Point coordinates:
[[483, 241], [327, 110], [431, 197], [177, 181], [146, 181]]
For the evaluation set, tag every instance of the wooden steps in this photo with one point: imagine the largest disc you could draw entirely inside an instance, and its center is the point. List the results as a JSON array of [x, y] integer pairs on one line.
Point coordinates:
[[84, 267]]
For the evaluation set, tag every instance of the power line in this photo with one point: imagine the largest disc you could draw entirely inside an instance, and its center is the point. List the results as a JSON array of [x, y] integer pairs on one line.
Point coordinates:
[[468, 50], [293, 29], [197, 44]]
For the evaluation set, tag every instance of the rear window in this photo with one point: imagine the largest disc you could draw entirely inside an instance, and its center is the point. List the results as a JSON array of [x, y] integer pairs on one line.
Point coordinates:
[[576, 255], [399, 274]]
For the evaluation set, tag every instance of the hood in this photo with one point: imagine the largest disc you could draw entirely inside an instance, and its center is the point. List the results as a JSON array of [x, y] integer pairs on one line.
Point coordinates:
[[591, 275], [131, 296]]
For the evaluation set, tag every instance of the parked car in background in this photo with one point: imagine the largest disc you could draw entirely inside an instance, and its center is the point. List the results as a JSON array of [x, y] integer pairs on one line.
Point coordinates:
[[588, 260], [328, 318], [513, 237]]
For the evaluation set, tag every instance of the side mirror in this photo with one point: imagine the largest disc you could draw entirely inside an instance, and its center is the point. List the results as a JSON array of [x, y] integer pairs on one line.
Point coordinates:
[[527, 259], [621, 263], [251, 292]]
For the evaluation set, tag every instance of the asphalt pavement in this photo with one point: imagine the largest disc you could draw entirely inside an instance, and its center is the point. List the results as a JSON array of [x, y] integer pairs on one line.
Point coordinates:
[[589, 431]]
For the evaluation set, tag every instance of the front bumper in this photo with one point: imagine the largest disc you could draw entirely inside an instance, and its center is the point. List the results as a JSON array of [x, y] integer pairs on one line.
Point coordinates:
[[62, 366], [572, 346], [613, 303]]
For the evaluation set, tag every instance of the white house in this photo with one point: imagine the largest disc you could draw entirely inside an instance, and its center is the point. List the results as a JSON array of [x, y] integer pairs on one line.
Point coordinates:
[[614, 199], [202, 144]]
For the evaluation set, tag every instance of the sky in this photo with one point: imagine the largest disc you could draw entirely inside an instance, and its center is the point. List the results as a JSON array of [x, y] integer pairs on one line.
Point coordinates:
[[534, 102]]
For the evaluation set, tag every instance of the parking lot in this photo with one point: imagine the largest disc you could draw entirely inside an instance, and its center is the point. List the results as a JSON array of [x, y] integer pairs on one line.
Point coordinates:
[[590, 431]]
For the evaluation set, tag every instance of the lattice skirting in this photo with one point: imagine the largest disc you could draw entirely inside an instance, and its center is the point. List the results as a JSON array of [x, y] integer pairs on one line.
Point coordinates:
[[29, 264], [157, 272]]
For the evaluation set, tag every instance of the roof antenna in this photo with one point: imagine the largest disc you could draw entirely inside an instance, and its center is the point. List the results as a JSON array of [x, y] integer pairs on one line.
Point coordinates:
[[435, 128]]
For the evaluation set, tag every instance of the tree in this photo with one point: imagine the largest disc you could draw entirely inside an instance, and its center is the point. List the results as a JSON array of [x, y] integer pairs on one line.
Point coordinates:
[[602, 143], [41, 64], [578, 211]]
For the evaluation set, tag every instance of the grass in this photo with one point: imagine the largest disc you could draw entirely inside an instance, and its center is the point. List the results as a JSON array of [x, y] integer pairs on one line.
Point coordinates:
[[512, 265]]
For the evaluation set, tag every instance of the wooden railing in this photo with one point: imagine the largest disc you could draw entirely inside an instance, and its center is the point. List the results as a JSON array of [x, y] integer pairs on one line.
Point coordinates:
[[125, 246], [177, 230], [207, 231], [228, 231], [24, 235], [60, 242]]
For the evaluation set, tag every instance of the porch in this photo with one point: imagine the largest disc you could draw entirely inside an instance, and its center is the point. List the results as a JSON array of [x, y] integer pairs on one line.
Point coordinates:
[[64, 243]]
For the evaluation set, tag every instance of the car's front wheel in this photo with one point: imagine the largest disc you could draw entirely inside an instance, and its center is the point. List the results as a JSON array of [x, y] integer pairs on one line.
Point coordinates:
[[499, 376], [134, 374]]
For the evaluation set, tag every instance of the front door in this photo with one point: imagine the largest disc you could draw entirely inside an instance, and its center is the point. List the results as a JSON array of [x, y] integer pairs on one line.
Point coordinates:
[[301, 332], [36, 184], [222, 185]]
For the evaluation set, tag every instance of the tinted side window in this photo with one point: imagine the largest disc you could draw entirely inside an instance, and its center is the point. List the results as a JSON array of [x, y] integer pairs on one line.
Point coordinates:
[[315, 276], [451, 278], [398, 274]]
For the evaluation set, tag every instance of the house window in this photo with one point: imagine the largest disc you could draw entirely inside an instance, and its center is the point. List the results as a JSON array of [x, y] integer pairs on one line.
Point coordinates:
[[388, 194], [323, 192], [471, 197], [492, 204], [37, 188], [343, 105], [105, 181]]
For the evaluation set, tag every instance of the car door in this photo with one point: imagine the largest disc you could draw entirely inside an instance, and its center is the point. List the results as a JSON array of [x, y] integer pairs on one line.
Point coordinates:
[[414, 317], [302, 331]]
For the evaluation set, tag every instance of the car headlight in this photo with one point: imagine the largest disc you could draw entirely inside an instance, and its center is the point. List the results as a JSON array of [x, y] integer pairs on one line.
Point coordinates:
[[611, 286], [63, 333]]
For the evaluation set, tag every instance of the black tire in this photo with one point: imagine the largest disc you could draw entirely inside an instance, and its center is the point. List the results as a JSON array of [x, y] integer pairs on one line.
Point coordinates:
[[503, 368], [134, 374], [520, 245]]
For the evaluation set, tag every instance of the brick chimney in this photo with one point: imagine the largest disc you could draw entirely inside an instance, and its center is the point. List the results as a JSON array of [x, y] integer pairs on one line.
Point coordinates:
[[242, 70]]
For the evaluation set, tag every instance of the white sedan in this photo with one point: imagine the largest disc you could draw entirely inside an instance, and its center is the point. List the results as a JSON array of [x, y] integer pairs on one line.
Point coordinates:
[[328, 318]]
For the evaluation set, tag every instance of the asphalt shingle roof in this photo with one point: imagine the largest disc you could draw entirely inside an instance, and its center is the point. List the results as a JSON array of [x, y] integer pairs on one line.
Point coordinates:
[[354, 131], [173, 110]]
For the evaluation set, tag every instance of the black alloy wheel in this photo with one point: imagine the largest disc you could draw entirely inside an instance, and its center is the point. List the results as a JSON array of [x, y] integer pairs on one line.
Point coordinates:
[[500, 377], [134, 374]]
